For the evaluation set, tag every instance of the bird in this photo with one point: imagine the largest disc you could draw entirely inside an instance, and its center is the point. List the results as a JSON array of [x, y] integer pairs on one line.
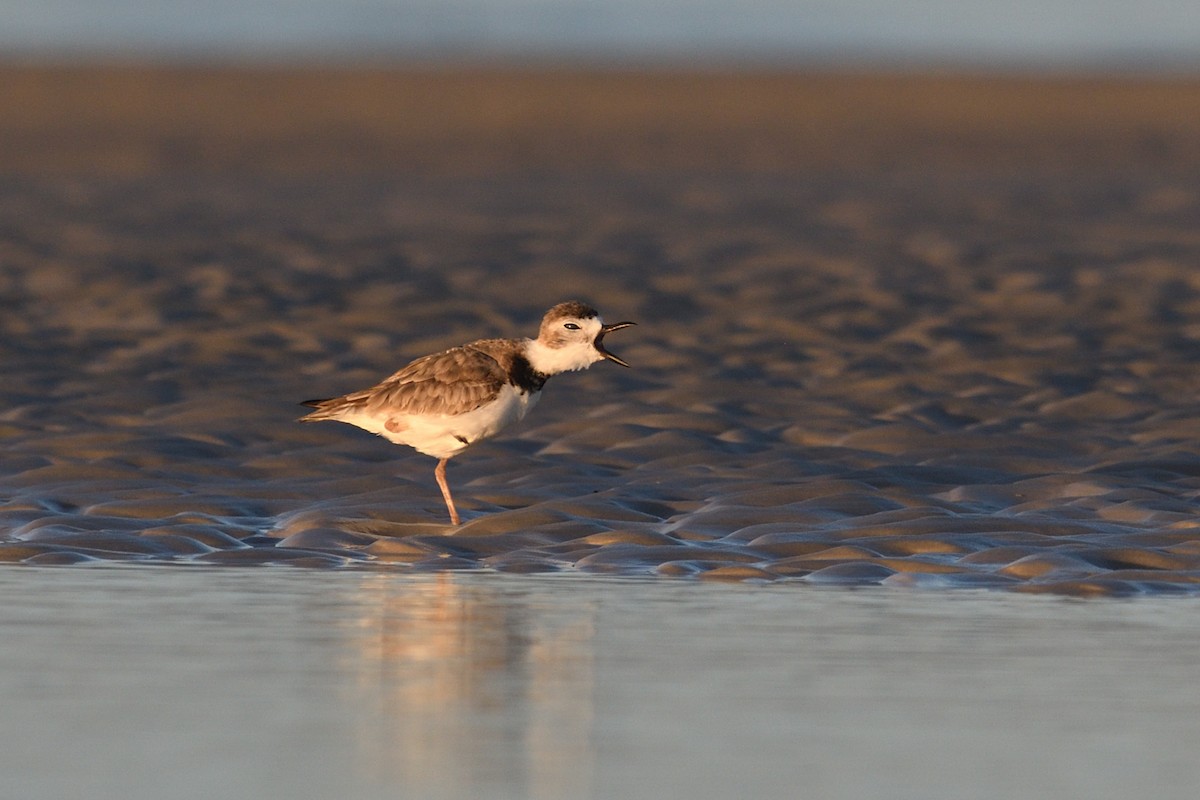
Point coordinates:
[[445, 402]]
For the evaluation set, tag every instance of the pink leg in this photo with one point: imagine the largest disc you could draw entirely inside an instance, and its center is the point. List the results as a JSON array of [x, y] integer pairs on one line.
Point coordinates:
[[440, 473]]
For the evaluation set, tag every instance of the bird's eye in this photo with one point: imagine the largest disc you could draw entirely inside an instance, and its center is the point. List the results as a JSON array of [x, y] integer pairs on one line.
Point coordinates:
[[571, 326]]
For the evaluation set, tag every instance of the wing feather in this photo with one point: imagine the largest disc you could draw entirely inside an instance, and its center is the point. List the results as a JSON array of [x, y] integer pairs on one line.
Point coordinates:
[[453, 381]]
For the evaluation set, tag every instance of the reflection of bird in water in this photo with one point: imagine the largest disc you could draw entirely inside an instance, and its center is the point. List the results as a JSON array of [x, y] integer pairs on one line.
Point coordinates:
[[470, 690], [443, 403]]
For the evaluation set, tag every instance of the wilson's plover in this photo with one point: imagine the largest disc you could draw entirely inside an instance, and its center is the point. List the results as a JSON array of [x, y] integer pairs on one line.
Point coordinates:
[[443, 403]]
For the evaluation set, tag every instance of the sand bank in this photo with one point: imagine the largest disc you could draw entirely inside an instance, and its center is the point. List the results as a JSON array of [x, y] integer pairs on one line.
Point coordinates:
[[140, 120]]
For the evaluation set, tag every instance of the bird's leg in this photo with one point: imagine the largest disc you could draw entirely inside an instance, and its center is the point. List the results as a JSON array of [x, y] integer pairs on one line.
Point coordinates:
[[440, 473]]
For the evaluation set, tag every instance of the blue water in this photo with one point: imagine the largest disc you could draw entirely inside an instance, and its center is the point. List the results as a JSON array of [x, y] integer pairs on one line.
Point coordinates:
[[177, 683], [1056, 33]]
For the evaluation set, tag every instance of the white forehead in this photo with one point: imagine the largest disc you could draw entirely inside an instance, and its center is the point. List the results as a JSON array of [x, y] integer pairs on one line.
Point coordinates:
[[592, 324]]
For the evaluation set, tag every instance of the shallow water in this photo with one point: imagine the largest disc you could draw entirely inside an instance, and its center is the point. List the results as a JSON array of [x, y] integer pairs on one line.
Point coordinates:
[[1049, 32], [937, 380], [183, 683]]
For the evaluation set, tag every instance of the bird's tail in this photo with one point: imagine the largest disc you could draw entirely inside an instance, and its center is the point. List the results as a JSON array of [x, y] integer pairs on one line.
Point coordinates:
[[328, 408]]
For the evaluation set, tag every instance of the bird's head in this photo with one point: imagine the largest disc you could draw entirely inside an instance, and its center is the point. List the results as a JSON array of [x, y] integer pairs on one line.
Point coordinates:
[[571, 337]]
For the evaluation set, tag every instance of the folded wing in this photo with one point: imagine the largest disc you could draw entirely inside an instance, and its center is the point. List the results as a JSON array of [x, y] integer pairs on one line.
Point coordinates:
[[452, 382]]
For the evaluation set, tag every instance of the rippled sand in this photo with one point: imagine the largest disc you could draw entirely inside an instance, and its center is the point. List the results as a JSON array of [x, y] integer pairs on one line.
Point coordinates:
[[950, 354]]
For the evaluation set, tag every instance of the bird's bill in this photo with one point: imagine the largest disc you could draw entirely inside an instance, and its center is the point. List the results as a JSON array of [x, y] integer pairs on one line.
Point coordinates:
[[599, 343]]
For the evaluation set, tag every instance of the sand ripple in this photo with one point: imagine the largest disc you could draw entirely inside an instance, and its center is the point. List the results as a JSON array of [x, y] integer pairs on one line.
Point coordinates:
[[921, 381]]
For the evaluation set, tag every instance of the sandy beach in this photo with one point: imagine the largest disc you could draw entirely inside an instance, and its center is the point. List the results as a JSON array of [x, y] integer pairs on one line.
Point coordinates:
[[913, 330]]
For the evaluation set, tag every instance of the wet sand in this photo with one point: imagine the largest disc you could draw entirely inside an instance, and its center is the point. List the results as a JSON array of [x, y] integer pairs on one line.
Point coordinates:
[[918, 331]]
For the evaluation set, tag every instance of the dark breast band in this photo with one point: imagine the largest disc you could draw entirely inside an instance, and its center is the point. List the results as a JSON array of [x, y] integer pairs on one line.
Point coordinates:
[[525, 377]]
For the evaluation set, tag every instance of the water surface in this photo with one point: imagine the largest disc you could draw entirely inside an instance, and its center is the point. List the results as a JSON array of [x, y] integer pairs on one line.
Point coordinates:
[[185, 683], [1155, 33]]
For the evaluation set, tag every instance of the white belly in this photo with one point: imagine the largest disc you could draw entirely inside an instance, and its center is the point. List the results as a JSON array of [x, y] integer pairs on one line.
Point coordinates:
[[444, 435]]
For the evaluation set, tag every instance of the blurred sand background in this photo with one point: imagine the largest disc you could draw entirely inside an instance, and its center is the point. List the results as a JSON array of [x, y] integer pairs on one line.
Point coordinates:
[[931, 329], [142, 120]]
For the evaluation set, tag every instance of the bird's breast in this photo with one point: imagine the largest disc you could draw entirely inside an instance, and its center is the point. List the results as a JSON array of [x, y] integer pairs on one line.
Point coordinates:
[[510, 405]]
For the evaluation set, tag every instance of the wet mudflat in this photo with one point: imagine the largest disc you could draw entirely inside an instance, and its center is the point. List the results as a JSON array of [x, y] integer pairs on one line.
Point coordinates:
[[957, 350], [916, 380]]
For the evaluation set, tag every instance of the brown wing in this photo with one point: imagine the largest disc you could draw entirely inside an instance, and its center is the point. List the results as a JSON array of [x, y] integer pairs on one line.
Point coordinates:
[[454, 381]]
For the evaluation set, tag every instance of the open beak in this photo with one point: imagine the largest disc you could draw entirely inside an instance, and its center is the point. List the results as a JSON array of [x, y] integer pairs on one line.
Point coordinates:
[[599, 343]]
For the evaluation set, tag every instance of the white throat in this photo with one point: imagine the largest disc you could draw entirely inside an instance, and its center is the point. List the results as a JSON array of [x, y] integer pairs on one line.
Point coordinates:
[[553, 360]]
